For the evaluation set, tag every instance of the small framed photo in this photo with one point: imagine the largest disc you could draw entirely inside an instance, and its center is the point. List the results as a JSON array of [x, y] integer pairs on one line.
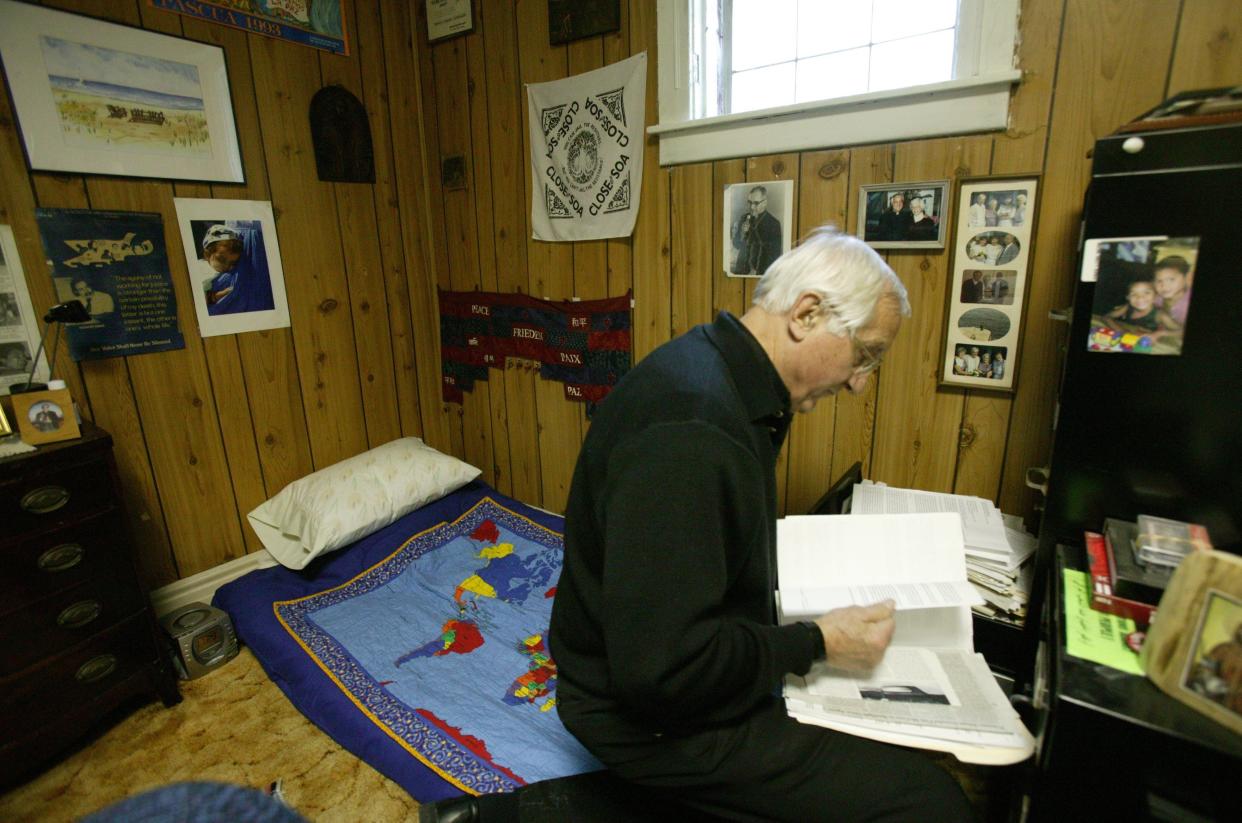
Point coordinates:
[[100, 98], [570, 20], [45, 416], [234, 263], [1142, 292], [1215, 652], [991, 257], [758, 225], [903, 215], [449, 18]]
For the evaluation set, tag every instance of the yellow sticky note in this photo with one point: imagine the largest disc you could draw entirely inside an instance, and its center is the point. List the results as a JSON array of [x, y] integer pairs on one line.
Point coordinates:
[[1093, 635]]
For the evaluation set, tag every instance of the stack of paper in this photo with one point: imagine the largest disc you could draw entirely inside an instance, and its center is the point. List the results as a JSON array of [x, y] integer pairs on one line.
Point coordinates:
[[931, 690], [998, 549]]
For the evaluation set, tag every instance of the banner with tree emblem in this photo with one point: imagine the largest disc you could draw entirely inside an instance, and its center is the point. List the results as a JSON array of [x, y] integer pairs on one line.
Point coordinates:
[[586, 152]]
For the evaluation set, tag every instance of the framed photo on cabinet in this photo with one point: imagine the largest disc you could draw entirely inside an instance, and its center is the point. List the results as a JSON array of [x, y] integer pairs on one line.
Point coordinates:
[[46, 416], [95, 97], [992, 245]]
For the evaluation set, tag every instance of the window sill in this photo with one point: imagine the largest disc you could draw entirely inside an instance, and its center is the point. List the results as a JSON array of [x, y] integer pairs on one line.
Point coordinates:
[[935, 110]]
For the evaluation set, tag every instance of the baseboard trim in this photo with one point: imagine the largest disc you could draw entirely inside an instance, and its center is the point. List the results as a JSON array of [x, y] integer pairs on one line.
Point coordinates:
[[202, 586]]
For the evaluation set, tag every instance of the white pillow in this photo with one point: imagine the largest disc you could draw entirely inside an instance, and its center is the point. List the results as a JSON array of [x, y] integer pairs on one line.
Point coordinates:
[[348, 500]]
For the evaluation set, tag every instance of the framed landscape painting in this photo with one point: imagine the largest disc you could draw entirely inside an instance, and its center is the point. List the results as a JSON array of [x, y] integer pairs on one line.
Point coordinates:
[[100, 98]]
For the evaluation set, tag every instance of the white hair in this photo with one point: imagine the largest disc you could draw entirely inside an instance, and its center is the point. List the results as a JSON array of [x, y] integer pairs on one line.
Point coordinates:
[[847, 275]]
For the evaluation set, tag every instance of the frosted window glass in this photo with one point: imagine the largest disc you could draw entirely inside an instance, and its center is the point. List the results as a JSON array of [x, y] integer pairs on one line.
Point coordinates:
[[895, 19], [825, 27], [913, 61], [833, 75], [763, 88], [764, 32]]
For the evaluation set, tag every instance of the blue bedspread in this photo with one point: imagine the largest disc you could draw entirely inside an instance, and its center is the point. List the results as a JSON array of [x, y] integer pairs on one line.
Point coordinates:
[[422, 647]]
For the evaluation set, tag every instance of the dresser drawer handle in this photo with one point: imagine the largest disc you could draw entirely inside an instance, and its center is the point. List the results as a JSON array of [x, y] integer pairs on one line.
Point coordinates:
[[77, 615], [97, 668], [61, 558], [45, 499]]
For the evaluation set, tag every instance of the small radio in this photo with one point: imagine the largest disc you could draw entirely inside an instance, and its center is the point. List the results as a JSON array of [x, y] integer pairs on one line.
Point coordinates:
[[202, 638]]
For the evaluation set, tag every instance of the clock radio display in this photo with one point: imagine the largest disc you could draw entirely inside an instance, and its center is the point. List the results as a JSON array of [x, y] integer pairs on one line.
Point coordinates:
[[208, 644]]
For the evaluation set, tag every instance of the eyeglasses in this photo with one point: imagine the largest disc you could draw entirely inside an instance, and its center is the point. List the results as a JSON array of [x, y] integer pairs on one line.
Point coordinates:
[[756, 202], [866, 359]]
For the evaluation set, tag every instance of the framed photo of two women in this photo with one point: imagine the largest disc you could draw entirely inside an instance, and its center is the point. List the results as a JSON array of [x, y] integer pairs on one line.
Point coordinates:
[[993, 234]]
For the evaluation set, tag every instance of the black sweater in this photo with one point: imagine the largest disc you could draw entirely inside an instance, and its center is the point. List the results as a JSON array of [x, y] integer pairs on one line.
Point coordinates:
[[664, 617]]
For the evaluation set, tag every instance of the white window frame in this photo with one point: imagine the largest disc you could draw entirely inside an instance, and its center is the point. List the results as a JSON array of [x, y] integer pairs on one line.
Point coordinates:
[[976, 101]]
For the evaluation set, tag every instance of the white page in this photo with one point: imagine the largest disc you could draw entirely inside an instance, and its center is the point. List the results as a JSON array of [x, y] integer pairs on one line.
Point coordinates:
[[982, 526], [831, 561], [799, 603], [973, 718], [837, 551]]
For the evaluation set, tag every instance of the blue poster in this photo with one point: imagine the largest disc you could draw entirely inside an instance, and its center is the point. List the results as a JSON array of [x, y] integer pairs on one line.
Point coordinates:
[[318, 24], [116, 264]]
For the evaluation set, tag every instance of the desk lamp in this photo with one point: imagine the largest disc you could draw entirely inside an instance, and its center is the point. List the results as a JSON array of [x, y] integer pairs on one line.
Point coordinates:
[[70, 312]]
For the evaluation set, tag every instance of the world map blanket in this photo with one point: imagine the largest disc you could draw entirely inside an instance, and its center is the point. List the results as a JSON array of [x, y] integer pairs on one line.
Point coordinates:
[[423, 648]]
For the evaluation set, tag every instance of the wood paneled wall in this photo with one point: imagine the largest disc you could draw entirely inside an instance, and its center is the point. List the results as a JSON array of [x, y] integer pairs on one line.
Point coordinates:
[[206, 433]]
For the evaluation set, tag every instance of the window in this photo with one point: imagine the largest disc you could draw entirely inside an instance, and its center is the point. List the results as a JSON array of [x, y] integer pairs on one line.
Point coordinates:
[[741, 77]]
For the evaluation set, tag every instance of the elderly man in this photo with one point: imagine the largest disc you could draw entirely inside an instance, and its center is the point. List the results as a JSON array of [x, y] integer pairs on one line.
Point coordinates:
[[664, 627]]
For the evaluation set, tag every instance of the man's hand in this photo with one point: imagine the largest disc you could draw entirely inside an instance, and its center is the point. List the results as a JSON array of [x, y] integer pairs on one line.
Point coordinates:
[[855, 637]]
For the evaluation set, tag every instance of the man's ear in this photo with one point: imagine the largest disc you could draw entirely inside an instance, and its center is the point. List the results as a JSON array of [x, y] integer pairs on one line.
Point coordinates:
[[804, 316]]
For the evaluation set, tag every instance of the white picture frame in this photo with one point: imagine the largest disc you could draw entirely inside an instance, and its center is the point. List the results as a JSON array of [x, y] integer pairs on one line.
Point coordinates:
[[95, 97], [774, 220], [992, 251], [233, 299], [19, 325]]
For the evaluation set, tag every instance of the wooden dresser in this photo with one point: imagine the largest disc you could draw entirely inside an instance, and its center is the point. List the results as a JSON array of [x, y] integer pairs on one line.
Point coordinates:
[[77, 634]]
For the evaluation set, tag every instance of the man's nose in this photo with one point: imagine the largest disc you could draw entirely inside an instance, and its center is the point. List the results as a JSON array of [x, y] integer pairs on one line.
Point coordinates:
[[857, 383]]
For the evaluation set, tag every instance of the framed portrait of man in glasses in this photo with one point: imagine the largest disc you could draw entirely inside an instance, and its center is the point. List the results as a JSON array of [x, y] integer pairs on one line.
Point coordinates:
[[758, 225]]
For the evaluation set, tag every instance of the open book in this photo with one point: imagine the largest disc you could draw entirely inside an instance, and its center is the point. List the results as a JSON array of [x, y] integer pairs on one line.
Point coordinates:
[[931, 690]]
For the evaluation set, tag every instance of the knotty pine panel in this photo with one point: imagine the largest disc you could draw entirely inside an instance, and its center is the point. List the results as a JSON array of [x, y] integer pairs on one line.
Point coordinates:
[[516, 439], [364, 270], [854, 423], [114, 406], [368, 46], [411, 162], [652, 315], [987, 416], [271, 400], [455, 86], [822, 192], [917, 422], [1112, 64], [728, 293], [691, 269], [1209, 47], [173, 391], [286, 77], [362, 262]]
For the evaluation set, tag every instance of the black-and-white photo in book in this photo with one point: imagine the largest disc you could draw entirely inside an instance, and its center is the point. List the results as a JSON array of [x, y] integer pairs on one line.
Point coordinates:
[[931, 690]]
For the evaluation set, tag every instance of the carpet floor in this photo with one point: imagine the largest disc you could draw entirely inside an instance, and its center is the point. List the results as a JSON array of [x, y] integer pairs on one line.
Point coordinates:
[[235, 726]]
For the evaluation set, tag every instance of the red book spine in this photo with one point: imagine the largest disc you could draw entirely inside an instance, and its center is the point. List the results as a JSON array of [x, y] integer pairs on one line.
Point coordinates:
[[1097, 560], [1102, 597]]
